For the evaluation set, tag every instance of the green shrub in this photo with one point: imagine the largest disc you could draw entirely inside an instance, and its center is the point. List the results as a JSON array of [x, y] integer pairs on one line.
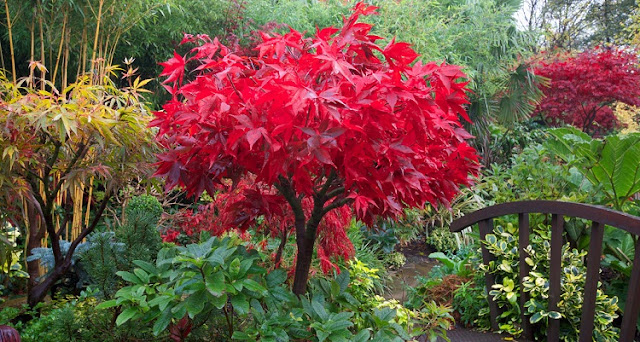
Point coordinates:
[[140, 236], [504, 245], [221, 286], [144, 203], [469, 299], [548, 180], [71, 319], [442, 240], [136, 239], [442, 281], [394, 260], [102, 260]]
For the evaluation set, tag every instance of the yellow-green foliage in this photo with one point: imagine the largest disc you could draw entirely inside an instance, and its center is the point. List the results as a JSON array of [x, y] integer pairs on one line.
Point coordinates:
[[628, 116], [104, 126]]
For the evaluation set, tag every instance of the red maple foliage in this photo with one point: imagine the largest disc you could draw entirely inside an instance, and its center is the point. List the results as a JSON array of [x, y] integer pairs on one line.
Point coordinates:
[[310, 125], [583, 86]]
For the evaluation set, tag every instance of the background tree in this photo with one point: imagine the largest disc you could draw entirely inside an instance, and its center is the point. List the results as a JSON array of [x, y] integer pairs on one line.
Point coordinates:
[[576, 24], [631, 35], [322, 122], [64, 154], [584, 86]]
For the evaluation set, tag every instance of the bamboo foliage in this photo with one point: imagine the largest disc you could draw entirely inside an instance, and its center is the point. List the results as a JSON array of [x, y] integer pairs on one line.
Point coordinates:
[[70, 38]]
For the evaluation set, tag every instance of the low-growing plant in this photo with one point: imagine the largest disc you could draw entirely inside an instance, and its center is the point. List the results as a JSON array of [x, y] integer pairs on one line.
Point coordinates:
[[191, 283], [435, 320], [71, 318], [382, 238], [454, 264], [503, 244], [11, 270], [469, 300], [394, 260], [189, 286], [442, 240]]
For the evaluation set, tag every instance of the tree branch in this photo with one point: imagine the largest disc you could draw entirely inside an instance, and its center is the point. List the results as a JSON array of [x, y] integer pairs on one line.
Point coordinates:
[[335, 192], [286, 189], [68, 213], [80, 153], [336, 204], [320, 195], [51, 161]]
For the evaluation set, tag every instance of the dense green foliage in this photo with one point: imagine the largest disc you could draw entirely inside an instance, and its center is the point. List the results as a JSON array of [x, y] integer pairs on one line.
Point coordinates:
[[189, 286], [120, 282], [503, 245]]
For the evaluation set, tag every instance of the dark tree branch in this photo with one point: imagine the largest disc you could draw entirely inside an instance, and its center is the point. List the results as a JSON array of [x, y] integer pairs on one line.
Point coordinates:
[[52, 159], [335, 192], [336, 204], [320, 195], [80, 153], [283, 243]]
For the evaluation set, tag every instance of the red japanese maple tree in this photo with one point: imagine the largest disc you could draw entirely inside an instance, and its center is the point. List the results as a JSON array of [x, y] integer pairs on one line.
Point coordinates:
[[583, 87], [310, 126]]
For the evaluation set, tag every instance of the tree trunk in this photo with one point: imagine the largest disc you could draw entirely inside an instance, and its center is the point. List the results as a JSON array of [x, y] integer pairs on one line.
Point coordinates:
[[303, 264], [305, 243], [39, 291], [34, 241]]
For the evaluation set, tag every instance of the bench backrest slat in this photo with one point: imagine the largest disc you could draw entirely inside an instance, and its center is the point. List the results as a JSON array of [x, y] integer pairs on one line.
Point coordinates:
[[523, 242], [591, 283], [632, 305]]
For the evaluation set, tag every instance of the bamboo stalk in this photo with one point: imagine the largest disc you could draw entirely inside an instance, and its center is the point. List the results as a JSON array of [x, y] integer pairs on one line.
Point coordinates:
[[84, 47], [55, 69], [78, 192], [88, 216], [32, 46], [65, 72], [97, 34], [26, 226], [43, 74], [112, 52], [2, 57], [11, 50]]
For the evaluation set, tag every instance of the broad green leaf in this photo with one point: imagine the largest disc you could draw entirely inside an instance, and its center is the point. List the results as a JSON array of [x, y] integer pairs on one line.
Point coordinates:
[[130, 277], [275, 278], [215, 283], [240, 303], [554, 315], [195, 303], [107, 304], [318, 308], [536, 318], [252, 285], [126, 315], [162, 322]]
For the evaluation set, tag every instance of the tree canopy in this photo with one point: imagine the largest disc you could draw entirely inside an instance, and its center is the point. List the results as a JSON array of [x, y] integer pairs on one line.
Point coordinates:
[[584, 86], [322, 122]]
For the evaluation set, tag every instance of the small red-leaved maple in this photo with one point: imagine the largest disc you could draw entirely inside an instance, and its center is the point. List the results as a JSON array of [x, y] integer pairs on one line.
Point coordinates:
[[311, 125], [583, 87]]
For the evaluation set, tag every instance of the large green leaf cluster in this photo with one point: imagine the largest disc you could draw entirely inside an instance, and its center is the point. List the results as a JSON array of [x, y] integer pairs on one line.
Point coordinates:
[[189, 286], [611, 164]]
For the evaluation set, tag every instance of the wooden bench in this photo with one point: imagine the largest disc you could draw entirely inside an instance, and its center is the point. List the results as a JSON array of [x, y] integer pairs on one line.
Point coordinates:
[[599, 216]]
